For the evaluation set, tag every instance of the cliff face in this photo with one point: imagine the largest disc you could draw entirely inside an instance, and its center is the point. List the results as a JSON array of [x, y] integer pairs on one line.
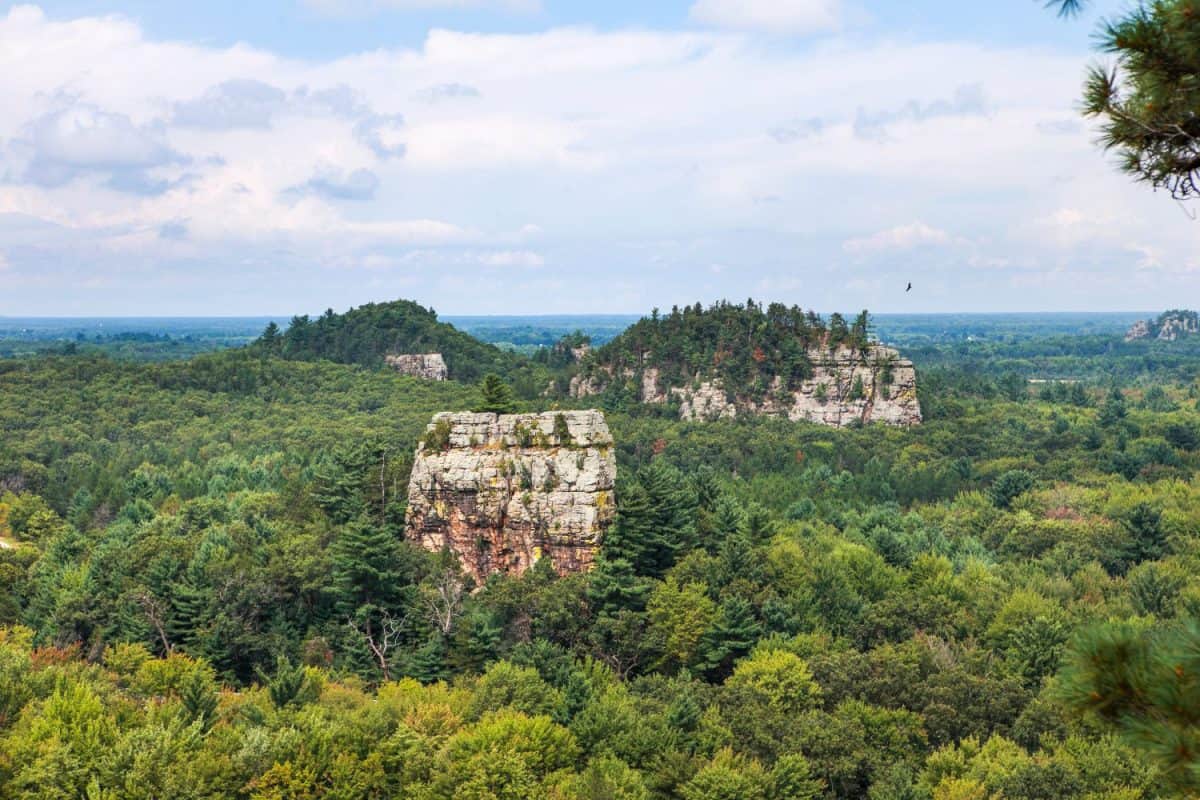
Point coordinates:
[[503, 491], [427, 366], [846, 386], [1169, 326]]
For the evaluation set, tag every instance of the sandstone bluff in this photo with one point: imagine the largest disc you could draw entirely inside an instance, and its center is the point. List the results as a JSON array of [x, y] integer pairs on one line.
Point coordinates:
[[503, 491], [847, 386], [1168, 327], [427, 366]]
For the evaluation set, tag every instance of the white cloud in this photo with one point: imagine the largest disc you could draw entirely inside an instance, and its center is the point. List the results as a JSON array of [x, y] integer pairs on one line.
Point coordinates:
[[511, 258], [238, 103], [4, 262], [772, 16], [81, 139], [486, 152], [336, 184], [901, 237]]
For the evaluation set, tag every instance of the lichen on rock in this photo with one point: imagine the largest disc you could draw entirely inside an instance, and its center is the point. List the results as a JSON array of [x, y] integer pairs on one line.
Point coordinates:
[[503, 491]]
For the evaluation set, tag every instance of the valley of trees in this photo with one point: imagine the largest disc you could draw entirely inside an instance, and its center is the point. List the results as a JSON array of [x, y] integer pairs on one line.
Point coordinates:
[[206, 591]]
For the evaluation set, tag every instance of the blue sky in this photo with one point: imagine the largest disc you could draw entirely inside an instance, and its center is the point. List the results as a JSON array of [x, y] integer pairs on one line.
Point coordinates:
[[333, 28], [525, 156]]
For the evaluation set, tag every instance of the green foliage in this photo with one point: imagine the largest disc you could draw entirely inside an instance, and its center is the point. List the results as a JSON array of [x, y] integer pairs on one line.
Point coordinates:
[[744, 346], [289, 686], [365, 335], [437, 438], [497, 396], [1009, 486], [1147, 100], [1145, 685], [781, 609]]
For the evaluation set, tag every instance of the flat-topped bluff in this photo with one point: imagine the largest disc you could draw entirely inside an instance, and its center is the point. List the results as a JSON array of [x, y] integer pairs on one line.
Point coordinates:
[[731, 360], [845, 387], [503, 491]]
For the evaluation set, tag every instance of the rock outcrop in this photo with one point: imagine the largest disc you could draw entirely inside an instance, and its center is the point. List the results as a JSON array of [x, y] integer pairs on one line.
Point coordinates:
[[427, 366], [503, 491], [1169, 326], [846, 387]]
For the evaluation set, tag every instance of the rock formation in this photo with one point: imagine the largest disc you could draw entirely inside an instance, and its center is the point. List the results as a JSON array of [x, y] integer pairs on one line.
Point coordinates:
[[427, 366], [503, 491], [846, 386], [1169, 326]]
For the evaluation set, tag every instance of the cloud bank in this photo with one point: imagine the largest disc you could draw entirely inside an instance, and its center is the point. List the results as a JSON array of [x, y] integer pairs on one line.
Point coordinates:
[[478, 170]]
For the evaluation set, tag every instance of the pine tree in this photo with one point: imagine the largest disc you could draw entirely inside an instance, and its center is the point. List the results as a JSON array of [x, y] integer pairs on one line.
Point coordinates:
[[270, 339], [1114, 408], [497, 395], [613, 586], [288, 686], [655, 520], [367, 568], [1149, 99], [199, 699], [1145, 685], [731, 637]]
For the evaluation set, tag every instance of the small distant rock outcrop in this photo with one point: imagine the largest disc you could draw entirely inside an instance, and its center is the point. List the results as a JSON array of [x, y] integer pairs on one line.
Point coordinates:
[[1168, 327], [427, 366], [504, 491], [846, 386]]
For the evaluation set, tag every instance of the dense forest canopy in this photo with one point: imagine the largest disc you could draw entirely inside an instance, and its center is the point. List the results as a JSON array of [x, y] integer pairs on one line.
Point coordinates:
[[365, 335], [206, 591]]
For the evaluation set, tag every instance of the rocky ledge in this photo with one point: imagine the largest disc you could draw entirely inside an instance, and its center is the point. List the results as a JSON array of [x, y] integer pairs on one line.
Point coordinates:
[[427, 366], [504, 491], [1168, 327], [846, 387]]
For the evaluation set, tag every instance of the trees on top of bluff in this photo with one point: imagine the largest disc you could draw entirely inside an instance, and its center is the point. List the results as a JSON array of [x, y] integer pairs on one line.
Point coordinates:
[[745, 346], [365, 335]]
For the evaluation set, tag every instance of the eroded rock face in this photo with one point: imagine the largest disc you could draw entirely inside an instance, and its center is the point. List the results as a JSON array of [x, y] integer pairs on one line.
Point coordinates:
[[1170, 326], [846, 387], [503, 491], [427, 366]]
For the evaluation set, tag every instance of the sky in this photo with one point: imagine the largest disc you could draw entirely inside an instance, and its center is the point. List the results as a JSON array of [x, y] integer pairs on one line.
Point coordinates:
[[542, 156]]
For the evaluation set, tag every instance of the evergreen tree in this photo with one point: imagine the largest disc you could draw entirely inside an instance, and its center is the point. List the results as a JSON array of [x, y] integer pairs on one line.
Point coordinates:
[[613, 585], [367, 569], [1144, 684], [1149, 99], [271, 337], [1009, 486], [497, 396], [288, 686], [656, 520], [1114, 409], [199, 698], [731, 637], [1146, 540]]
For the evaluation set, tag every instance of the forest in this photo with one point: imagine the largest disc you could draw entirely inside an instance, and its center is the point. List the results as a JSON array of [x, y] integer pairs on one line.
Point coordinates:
[[207, 591]]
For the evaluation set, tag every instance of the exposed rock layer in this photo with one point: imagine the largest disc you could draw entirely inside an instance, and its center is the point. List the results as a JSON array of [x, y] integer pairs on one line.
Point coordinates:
[[428, 366], [503, 491], [1169, 326], [846, 386]]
